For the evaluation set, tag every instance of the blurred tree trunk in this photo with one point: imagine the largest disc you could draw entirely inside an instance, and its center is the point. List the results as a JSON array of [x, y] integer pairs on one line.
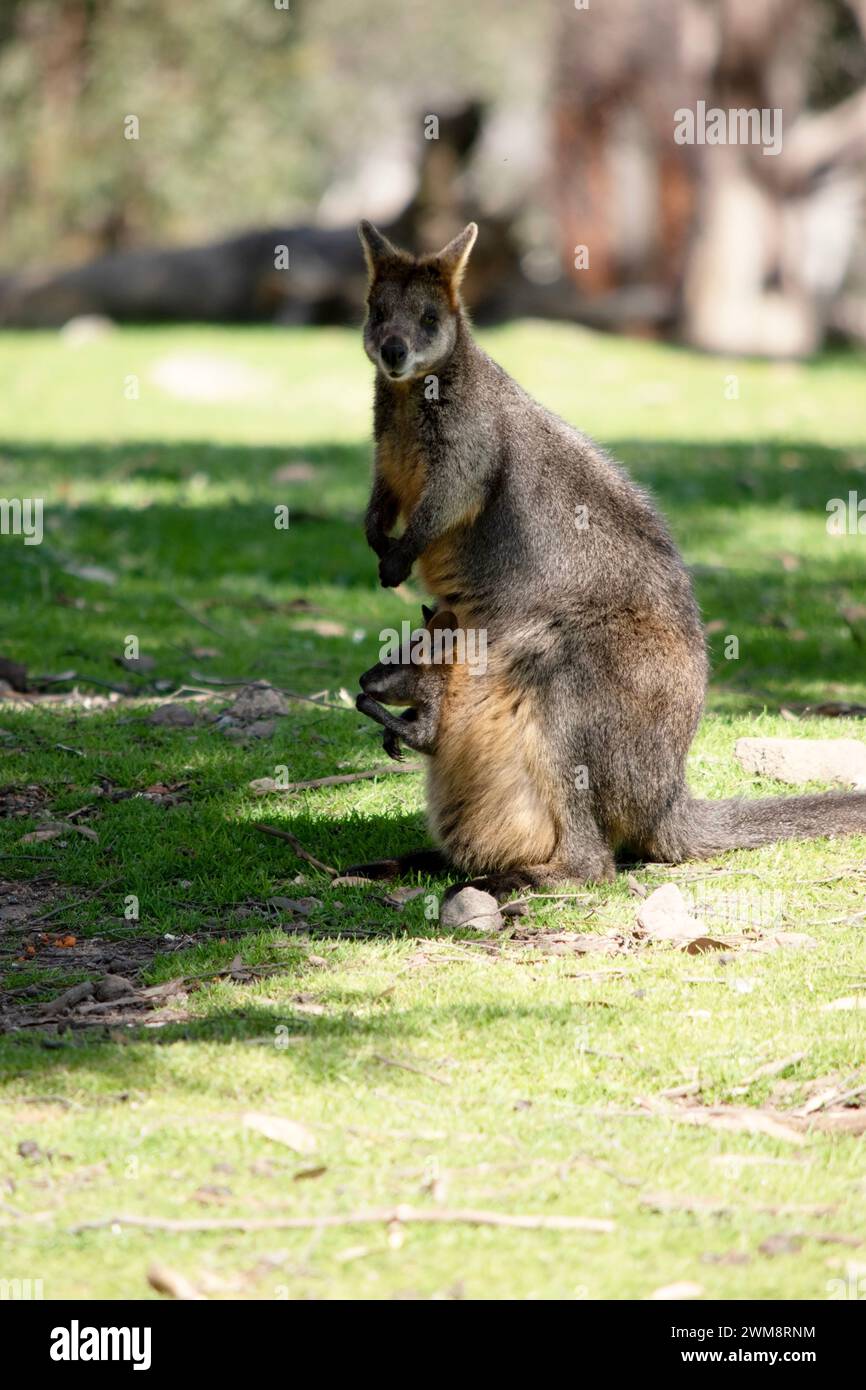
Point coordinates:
[[739, 250]]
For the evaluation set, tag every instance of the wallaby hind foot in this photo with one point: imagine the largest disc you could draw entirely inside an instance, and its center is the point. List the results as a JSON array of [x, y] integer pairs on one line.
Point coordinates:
[[535, 876]]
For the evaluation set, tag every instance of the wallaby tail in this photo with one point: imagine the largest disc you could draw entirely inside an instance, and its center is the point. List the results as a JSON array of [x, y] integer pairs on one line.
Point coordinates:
[[698, 829]]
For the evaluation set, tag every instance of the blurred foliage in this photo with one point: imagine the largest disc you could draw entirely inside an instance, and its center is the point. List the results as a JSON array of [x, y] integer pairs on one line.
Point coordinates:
[[247, 112]]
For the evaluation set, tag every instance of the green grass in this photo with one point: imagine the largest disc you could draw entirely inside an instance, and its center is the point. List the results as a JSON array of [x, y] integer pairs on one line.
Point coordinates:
[[519, 1050]]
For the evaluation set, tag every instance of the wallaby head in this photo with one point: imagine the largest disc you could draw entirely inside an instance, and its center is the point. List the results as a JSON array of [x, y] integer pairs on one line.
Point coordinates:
[[396, 684], [391, 685], [413, 305]]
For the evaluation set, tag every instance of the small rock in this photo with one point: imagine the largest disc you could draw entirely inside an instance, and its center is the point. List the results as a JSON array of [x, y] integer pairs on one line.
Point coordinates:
[[173, 714], [113, 987], [302, 905], [469, 907], [262, 728], [257, 701], [139, 664]]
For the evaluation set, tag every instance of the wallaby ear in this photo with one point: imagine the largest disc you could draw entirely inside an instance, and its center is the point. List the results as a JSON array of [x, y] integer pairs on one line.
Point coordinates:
[[427, 612], [454, 257], [377, 248], [444, 620]]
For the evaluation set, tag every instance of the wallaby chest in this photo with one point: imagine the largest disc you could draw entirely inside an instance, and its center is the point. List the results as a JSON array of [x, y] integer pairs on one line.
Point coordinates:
[[402, 462]]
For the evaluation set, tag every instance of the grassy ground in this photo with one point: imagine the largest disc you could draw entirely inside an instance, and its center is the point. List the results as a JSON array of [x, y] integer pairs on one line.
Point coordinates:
[[432, 1068]]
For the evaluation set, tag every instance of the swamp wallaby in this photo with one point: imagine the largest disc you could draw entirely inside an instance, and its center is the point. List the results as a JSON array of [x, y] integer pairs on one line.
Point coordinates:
[[571, 748]]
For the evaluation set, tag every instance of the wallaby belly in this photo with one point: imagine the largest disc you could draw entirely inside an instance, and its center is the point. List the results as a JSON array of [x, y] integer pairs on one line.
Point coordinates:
[[490, 803]]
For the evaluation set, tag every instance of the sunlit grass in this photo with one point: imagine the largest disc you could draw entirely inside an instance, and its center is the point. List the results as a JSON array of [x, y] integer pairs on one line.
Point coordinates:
[[175, 500]]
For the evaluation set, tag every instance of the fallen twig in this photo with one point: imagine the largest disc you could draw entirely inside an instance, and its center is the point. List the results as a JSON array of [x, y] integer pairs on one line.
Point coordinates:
[[401, 1215], [297, 847], [311, 700], [769, 1069], [834, 1096], [407, 1066], [339, 779]]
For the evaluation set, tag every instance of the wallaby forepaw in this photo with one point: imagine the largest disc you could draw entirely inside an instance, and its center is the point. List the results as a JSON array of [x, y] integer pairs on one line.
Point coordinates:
[[394, 567], [392, 746]]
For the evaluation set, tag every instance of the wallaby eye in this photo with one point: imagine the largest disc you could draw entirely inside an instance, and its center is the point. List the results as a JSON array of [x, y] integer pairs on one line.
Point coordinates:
[[429, 319], [377, 316]]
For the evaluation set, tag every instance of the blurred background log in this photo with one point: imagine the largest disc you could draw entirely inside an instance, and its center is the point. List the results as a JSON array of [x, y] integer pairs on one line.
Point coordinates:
[[602, 219]]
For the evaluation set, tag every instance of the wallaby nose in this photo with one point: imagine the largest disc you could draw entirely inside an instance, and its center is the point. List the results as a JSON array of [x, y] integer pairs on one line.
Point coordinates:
[[394, 353]]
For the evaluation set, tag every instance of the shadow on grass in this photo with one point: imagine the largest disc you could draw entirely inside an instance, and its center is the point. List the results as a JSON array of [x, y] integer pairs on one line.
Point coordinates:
[[199, 524], [320, 1047]]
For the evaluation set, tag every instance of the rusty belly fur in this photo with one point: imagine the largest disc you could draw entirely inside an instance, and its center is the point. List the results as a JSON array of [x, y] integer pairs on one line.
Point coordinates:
[[486, 786], [405, 472]]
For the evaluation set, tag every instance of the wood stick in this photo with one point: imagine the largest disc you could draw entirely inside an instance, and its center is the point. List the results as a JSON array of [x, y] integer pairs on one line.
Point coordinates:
[[297, 847], [407, 1066], [403, 1215], [340, 779]]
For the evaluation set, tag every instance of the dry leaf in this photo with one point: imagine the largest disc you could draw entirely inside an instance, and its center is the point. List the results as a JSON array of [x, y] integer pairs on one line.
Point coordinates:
[[781, 1245], [168, 1281], [52, 830], [664, 916], [263, 786], [281, 1131], [737, 1119], [787, 940], [323, 627], [683, 1290]]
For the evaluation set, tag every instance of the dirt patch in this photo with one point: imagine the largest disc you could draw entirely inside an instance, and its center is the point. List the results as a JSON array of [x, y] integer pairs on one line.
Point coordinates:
[[109, 1000], [21, 801], [31, 940], [24, 899]]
